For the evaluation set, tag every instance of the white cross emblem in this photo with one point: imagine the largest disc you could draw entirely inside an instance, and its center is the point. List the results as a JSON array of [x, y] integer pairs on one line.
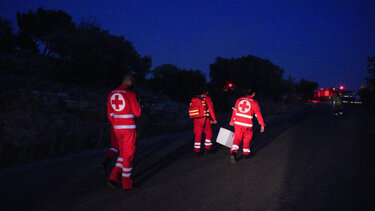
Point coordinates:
[[117, 102], [244, 106]]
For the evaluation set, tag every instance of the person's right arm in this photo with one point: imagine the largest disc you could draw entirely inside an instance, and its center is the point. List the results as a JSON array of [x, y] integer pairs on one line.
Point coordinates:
[[232, 119], [109, 110]]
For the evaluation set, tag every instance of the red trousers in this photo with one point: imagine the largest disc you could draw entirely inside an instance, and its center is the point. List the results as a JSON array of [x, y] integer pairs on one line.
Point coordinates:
[[245, 133], [124, 164], [114, 145], [202, 125]]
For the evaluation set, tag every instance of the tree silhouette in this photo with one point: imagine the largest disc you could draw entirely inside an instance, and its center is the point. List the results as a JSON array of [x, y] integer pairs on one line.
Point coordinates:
[[93, 54], [178, 83], [43, 25], [368, 94], [8, 39], [83, 53], [307, 88], [245, 72]]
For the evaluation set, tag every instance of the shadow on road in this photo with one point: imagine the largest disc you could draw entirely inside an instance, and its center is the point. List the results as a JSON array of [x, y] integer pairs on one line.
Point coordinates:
[[153, 168], [272, 130]]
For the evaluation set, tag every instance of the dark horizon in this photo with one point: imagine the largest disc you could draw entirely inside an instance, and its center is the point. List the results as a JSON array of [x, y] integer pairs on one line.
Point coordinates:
[[321, 41]]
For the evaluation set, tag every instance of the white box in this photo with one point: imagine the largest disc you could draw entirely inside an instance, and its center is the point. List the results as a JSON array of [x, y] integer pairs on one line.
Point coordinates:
[[225, 137]]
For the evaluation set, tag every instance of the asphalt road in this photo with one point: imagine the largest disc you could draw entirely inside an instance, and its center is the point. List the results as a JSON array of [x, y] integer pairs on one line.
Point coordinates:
[[307, 159]]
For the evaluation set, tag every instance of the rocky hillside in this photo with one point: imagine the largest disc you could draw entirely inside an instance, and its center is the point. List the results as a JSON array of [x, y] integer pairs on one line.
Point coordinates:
[[42, 117]]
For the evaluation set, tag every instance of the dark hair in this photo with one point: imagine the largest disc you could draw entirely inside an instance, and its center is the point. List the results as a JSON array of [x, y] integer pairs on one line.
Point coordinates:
[[249, 91], [128, 77], [203, 89]]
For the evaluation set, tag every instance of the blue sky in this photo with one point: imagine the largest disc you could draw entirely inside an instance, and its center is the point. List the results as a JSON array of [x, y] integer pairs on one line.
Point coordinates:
[[324, 41]]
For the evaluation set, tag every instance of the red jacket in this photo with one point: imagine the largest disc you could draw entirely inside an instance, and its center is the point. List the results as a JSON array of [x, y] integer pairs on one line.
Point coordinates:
[[122, 106], [244, 110], [210, 106]]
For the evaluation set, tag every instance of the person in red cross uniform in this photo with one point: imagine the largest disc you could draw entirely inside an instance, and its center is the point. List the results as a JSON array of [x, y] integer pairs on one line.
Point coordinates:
[[204, 124], [122, 107], [242, 120]]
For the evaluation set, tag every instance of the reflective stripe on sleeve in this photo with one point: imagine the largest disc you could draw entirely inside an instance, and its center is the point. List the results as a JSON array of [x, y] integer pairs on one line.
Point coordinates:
[[119, 165], [111, 114], [243, 124], [120, 159], [113, 149], [125, 116], [244, 115], [124, 127]]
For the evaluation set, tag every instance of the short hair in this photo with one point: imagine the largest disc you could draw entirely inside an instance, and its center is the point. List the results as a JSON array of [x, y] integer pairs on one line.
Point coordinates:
[[249, 91], [204, 89], [128, 77]]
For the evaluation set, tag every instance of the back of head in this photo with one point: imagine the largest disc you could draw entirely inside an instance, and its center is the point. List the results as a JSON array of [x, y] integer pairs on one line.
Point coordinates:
[[128, 79], [249, 91], [203, 89]]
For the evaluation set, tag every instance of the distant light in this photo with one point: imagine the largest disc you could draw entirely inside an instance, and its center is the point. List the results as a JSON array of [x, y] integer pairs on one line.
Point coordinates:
[[341, 87], [229, 86]]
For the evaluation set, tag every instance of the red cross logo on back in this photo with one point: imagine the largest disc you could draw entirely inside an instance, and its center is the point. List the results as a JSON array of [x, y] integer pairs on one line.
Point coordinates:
[[244, 106], [117, 102]]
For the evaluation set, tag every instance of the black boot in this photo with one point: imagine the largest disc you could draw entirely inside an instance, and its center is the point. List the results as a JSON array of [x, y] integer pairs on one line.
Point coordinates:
[[105, 163], [233, 157], [112, 184]]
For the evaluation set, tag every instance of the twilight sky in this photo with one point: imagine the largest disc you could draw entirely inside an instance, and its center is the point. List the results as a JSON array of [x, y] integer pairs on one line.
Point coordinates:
[[325, 41]]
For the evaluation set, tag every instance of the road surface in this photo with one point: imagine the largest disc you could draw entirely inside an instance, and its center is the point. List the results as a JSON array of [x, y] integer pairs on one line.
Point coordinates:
[[306, 159]]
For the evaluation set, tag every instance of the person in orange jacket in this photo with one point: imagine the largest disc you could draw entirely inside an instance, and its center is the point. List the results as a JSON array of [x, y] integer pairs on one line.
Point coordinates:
[[203, 124], [122, 107], [242, 120]]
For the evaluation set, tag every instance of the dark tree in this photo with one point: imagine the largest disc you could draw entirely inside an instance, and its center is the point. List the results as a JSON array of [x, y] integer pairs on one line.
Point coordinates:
[[371, 71], [8, 39], [368, 94], [84, 54], [249, 71], [42, 26], [290, 85], [306, 88], [178, 83], [95, 56]]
